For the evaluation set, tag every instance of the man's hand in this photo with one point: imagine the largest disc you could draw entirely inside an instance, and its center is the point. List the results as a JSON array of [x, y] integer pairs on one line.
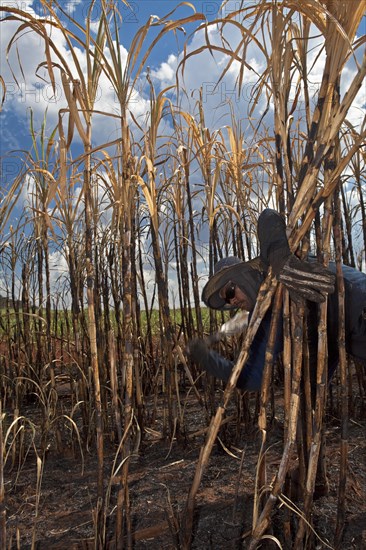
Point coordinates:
[[304, 280], [199, 352], [309, 280]]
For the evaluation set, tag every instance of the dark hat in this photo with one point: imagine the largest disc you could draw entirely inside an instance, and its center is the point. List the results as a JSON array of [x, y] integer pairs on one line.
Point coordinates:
[[247, 275]]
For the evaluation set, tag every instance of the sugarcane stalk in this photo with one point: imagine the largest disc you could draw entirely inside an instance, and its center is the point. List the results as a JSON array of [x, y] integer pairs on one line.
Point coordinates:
[[362, 208], [92, 332], [341, 511], [320, 397], [263, 302], [287, 345], [282, 59], [310, 170], [265, 517], [264, 395], [125, 227], [349, 257], [317, 433], [114, 383], [192, 237], [2, 486]]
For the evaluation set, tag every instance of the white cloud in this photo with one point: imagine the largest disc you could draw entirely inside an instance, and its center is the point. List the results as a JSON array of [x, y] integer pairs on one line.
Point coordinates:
[[71, 6], [166, 72], [59, 270]]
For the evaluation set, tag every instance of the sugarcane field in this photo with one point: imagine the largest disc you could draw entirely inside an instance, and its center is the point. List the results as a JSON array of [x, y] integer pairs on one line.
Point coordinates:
[[182, 274]]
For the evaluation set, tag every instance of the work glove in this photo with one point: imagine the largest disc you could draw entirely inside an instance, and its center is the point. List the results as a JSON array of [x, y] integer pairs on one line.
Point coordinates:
[[199, 352], [308, 280], [304, 280]]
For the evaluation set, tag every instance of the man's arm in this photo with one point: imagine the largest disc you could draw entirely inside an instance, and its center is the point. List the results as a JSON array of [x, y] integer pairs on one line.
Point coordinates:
[[250, 378], [272, 238], [304, 280], [218, 366]]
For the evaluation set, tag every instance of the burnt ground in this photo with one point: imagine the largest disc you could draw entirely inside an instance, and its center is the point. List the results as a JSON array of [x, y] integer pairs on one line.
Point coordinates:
[[160, 476]]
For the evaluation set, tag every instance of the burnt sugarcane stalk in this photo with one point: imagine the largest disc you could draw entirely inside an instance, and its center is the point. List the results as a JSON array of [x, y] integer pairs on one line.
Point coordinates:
[[2, 487], [343, 379], [287, 346], [265, 517], [125, 228], [282, 58], [317, 439], [309, 170], [194, 275], [261, 478], [363, 211], [263, 302], [92, 333], [114, 383]]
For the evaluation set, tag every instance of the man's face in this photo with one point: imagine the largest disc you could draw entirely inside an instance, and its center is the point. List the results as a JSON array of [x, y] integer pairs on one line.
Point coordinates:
[[233, 295]]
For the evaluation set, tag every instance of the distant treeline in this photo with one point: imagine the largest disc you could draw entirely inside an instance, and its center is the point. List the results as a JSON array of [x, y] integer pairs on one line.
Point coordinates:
[[4, 302]]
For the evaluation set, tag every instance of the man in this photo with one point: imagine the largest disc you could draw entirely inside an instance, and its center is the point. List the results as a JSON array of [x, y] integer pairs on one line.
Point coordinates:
[[235, 285]]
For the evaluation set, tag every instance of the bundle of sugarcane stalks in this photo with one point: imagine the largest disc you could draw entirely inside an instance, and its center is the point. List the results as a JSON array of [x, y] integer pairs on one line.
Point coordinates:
[[99, 352]]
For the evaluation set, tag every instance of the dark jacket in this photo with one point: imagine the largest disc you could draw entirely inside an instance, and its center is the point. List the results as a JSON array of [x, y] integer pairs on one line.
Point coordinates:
[[273, 243]]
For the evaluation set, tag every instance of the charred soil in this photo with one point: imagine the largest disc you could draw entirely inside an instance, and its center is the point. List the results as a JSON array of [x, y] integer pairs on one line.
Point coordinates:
[[58, 511]]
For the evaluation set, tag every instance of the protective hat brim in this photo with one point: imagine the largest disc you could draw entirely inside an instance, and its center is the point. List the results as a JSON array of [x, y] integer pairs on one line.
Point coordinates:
[[247, 275]]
